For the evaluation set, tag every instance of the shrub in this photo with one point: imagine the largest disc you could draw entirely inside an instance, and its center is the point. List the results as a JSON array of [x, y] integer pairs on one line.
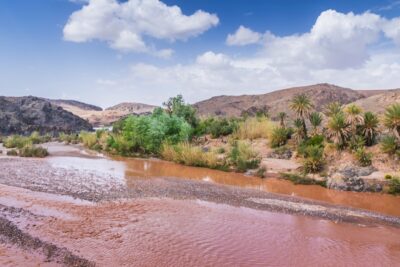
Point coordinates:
[[88, 139], [217, 127], [313, 159], [358, 142], [388, 177], [243, 157], [279, 137], [364, 158], [16, 141], [394, 186], [68, 138], [253, 128], [187, 154], [316, 140], [12, 152], [261, 172], [33, 151], [301, 179], [389, 144]]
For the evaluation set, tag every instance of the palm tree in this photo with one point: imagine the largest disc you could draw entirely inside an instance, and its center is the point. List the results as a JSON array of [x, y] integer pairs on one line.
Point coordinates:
[[338, 129], [392, 119], [354, 118], [282, 116], [302, 106], [315, 120], [369, 127], [298, 134], [332, 109]]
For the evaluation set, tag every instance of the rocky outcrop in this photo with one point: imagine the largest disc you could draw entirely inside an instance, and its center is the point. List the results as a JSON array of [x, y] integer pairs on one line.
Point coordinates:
[[353, 178], [23, 115], [74, 103]]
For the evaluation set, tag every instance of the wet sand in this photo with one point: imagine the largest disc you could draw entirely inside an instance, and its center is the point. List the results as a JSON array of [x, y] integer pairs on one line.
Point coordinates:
[[85, 210]]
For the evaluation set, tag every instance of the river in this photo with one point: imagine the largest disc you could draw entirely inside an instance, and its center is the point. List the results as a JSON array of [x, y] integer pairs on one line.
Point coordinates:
[[132, 228]]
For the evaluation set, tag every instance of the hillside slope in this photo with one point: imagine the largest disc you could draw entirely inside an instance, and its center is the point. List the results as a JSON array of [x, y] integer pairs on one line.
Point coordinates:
[[277, 101], [23, 115], [378, 103]]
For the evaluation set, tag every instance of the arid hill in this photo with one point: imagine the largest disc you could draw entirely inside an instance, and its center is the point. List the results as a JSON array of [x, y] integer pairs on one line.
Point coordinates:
[[66, 104], [378, 103], [23, 115], [99, 117], [277, 101]]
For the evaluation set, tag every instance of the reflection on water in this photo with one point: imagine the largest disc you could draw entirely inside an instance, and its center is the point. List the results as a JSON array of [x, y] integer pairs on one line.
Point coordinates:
[[129, 168]]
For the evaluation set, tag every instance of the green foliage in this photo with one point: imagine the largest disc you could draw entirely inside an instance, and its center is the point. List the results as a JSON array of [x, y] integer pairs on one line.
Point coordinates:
[[392, 119], [279, 137], [217, 127], [12, 152], [16, 141], [394, 185], [187, 154], [88, 139], [176, 106], [315, 120], [338, 130], [369, 128], [332, 109], [68, 138], [357, 142], [389, 145], [243, 157], [313, 159], [146, 134], [301, 179], [364, 158], [33, 151], [316, 140]]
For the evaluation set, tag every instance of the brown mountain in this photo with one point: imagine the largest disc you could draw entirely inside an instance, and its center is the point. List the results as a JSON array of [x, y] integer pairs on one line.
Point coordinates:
[[23, 115], [277, 101], [378, 103], [99, 117]]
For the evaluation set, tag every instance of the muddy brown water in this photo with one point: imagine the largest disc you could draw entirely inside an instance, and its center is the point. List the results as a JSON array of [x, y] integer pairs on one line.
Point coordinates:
[[130, 169], [167, 232]]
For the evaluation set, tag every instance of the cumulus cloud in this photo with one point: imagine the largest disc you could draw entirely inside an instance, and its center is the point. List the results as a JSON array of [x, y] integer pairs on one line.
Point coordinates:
[[243, 36], [343, 49], [125, 25]]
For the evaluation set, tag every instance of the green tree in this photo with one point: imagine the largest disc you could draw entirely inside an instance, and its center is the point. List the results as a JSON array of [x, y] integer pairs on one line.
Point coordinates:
[[369, 128], [392, 119], [332, 109], [177, 106], [282, 117], [338, 129], [315, 120], [354, 118], [302, 106]]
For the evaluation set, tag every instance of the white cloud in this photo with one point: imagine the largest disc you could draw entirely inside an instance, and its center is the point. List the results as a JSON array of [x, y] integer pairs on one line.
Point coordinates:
[[125, 25], [243, 36], [343, 49]]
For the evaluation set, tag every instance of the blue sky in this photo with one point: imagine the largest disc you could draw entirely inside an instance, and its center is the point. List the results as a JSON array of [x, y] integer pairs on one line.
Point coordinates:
[[148, 50]]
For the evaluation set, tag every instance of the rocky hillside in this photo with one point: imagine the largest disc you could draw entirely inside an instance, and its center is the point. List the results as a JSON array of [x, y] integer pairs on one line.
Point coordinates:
[[277, 101], [378, 103], [23, 115], [99, 117]]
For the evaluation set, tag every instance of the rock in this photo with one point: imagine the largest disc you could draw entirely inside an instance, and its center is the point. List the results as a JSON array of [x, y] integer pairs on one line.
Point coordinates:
[[349, 178], [24, 115], [280, 154]]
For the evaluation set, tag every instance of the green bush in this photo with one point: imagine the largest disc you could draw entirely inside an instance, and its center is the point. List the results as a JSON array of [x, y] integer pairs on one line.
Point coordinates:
[[313, 159], [68, 138], [316, 140], [364, 158], [358, 142], [243, 157], [33, 151], [279, 137], [16, 141], [394, 186], [217, 127], [301, 179], [12, 152], [389, 144]]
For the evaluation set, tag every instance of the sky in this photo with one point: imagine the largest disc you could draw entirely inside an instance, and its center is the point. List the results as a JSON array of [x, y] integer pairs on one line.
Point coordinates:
[[109, 51]]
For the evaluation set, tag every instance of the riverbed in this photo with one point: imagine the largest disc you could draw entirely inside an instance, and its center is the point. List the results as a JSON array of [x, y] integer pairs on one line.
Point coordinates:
[[81, 208]]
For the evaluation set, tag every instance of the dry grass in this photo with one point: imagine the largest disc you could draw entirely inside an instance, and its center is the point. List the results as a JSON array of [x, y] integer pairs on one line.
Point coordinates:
[[254, 128], [187, 154]]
